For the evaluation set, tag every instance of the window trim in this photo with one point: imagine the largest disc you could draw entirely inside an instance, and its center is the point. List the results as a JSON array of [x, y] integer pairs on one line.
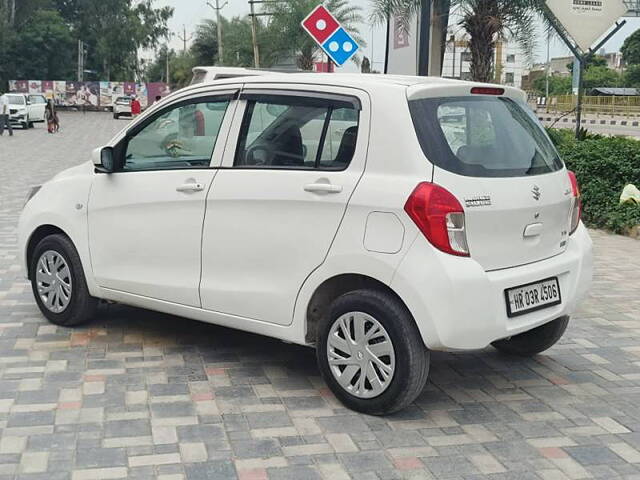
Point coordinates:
[[330, 101], [120, 148], [302, 97]]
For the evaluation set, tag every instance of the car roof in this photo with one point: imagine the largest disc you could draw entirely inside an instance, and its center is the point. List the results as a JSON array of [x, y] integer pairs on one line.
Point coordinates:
[[415, 86]]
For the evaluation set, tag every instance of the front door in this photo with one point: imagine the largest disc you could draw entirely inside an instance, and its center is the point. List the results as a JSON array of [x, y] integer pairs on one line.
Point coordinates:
[[145, 220], [291, 165]]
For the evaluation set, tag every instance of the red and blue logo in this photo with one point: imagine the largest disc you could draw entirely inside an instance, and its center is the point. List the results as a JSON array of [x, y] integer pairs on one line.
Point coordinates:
[[330, 35]]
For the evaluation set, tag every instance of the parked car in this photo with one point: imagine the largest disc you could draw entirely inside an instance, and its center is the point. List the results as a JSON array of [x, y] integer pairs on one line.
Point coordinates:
[[36, 106], [375, 218], [122, 107], [19, 110]]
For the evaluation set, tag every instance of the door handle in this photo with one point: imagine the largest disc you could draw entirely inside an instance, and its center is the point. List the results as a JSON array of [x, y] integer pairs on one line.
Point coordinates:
[[190, 187], [323, 188]]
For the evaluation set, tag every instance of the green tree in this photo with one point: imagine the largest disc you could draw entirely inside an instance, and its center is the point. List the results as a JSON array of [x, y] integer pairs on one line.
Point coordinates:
[[288, 36], [631, 49], [180, 68], [632, 76], [485, 22], [601, 77], [557, 85], [205, 44], [43, 48], [114, 31], [592, 61]]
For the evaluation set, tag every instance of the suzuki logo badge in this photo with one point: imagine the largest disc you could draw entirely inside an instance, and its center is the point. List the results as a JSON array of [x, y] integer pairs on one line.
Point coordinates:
[[536, 192]]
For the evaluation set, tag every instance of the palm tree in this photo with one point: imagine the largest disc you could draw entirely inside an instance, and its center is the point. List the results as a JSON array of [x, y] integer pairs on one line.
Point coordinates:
[[289, 35], [485, 23]]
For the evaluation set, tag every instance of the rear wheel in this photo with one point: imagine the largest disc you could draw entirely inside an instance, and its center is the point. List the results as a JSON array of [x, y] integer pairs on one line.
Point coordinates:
[[116, 116], [534, 341], [371, 354], [58, 282]]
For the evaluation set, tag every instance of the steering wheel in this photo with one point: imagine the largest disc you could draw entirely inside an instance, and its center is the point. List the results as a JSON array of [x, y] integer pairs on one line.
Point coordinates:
[[250, 157]]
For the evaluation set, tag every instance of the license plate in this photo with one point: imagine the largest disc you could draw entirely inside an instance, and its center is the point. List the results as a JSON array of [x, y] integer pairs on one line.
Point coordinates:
[[533, 296]]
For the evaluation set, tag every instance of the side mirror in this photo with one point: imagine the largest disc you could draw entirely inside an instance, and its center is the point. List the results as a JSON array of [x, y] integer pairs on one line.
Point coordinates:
[[103, 159]]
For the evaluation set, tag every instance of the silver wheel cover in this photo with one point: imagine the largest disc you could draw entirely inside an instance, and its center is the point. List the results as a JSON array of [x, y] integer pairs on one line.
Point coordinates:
[[53, 281], [361, 355]]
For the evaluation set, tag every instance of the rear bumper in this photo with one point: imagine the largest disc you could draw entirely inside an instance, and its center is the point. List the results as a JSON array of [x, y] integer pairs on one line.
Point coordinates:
[[459, 306]]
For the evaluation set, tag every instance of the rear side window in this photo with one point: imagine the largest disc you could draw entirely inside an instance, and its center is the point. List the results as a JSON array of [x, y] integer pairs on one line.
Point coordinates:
[[483, 137], [281, 132]]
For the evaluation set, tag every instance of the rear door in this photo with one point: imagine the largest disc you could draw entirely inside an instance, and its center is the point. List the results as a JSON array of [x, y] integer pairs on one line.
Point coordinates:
[[491, 153], [276, 205]]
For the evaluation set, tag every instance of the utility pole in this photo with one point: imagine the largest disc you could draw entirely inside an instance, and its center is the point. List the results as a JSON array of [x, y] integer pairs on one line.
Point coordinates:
[[80, 60], [185, 38], [167, 79], [217, 8], [548, 69], [254, 36]]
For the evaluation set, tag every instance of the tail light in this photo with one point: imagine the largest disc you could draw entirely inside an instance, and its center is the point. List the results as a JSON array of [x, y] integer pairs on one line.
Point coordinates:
[[440, 217], [576, 208]]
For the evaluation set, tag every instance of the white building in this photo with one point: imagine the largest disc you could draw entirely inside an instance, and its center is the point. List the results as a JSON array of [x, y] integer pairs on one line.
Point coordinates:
[[510, 65]]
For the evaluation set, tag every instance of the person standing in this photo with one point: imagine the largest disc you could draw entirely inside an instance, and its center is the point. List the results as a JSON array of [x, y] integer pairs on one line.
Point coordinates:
[[53, 124], [4, 115], [136, 108]]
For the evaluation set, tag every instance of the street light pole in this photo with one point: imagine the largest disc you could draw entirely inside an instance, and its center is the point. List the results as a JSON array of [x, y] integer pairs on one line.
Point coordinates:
[[254, 37], [217, 8]]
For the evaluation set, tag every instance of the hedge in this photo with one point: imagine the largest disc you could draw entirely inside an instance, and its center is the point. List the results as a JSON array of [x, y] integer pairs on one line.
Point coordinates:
[[603, 165]]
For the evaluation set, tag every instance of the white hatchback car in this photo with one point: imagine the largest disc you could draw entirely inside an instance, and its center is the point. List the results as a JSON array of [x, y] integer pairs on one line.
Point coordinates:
[[122, 107], [375, 218]]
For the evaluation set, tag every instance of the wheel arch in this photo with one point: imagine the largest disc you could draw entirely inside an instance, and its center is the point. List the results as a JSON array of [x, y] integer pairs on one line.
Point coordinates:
[[36, 237], [334, 287]]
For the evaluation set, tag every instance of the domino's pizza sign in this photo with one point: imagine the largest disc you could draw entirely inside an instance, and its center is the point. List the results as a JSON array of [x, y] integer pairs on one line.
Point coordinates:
[[330, 35]]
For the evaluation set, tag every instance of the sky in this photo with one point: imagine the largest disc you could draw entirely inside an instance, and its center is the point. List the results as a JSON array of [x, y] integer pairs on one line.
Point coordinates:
[[188, 13]]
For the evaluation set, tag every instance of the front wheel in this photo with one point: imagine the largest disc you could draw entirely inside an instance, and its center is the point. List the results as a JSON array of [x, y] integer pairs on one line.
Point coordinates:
[[58, 282], [534, 341], [371, 354]]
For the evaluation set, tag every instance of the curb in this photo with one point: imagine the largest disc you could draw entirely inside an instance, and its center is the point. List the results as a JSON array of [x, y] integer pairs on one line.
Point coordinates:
[[622, 123]]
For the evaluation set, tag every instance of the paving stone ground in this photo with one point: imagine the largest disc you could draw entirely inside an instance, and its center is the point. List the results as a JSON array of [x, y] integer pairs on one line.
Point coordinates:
[[141, 395]]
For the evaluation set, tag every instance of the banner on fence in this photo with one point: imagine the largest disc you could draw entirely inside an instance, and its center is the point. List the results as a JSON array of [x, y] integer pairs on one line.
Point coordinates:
[[90, 94]]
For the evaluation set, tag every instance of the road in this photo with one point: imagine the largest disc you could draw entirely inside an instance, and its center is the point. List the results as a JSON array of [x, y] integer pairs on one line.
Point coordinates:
[[142, 395]]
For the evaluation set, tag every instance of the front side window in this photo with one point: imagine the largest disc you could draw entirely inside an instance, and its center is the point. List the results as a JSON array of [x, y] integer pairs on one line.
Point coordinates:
[[181, 137], [297, 133], [483, 137]]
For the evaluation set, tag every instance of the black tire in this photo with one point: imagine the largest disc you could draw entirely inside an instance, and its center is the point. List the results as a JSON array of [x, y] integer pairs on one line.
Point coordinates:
[[116, 116], [25, 126], [82, 306], [411, 355], [31, 125], [534, 341]]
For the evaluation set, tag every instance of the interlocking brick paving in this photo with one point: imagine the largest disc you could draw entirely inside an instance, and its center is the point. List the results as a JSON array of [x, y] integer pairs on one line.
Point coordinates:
[[141, 395]]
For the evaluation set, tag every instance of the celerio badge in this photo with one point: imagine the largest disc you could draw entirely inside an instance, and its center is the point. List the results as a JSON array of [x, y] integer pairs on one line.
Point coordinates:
[[478, 201]]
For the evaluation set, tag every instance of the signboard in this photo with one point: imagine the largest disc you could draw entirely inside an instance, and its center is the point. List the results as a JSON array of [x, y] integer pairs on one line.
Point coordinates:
[[402, 46], [587, 20], [332, 38]]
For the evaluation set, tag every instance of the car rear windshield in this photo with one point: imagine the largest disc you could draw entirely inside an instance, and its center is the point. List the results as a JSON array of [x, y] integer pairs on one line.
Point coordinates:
[[483, 137]]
